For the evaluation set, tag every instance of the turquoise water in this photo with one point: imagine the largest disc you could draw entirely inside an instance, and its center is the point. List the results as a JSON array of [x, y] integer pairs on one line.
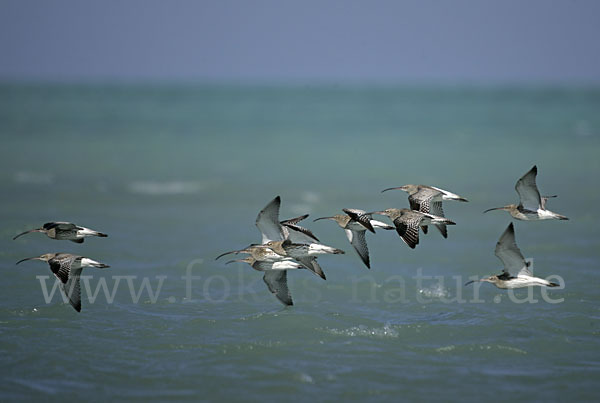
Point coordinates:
[[176, 175]]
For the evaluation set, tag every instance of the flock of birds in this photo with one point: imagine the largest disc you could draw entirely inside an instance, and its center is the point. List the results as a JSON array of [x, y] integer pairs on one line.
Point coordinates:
[[66, 266], [288, 246]]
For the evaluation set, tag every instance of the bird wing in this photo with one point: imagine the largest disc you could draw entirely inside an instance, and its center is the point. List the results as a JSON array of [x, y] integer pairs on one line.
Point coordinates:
[[436, 209], [360, 217], [423, 199], [414, 204], [276, 281], [294, 221], [544, 199], [72, 289], [528, 191], [408, 229], [298, 234], [61, 265], [267, 221], [510, 255], [60, 225], [310, 262], [359, 242]]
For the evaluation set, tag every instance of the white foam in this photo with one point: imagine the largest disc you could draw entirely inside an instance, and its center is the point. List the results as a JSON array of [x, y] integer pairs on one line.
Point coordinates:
[[386, 331], [303, 377], [435, 291]]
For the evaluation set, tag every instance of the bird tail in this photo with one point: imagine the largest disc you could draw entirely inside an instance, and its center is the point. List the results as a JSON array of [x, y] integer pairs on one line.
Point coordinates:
[[316, 248], [454, 197], [443, 220], [92, 263], [90, 232]]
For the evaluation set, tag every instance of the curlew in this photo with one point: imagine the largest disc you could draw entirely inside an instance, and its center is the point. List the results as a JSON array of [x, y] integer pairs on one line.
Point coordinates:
[[428, 199], [64, 230], [355, 224], [516, 272], [532, 206], [408, 221], [67, 268]]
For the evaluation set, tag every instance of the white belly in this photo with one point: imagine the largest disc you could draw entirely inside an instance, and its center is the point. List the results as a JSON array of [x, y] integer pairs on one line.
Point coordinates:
[[524, 281]]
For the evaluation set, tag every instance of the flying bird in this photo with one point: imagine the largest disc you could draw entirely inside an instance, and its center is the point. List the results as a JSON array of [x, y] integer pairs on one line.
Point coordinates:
[[275, 275], [428, 199], [532, 206], [262, 254], [355, 224], [67, 268], [408, 221], [272, 229], [65, 230], [516, 272]]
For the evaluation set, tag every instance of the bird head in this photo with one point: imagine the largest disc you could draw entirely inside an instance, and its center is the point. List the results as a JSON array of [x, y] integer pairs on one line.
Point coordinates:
[[44, 258], [339, 218], [387, 212], [410, 189], [490, 279]]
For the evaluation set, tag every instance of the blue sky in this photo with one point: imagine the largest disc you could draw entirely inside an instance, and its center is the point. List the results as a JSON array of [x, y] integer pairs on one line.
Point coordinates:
[[453, 41]]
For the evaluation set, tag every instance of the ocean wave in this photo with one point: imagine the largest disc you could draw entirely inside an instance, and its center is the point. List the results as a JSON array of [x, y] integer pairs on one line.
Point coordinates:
[[480, 347], [34, 178], [165, 188]]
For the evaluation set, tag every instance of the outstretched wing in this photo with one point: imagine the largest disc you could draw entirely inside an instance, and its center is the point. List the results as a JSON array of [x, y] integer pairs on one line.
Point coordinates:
[[310, 263], [295, 220], [72, 289], [528, 191], [436, 209], [359, 242], [298, 234], [544, 199], [61, 226], [361, 217], [68, 268], [61, 266], [408, 229], [423, 199], [267, 221], [510, 255], [276, 281]]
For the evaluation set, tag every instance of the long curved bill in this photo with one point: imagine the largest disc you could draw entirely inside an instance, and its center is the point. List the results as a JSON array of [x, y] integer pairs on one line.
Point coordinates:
[[245, 250], [27, 232], [235, 261], [481, 280], [323, 218], [396, 188], [495, 208], [29, 258], [228, 253]]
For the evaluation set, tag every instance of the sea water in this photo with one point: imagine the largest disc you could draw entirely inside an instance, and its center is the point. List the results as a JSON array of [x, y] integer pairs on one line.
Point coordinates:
[[176, 175]]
